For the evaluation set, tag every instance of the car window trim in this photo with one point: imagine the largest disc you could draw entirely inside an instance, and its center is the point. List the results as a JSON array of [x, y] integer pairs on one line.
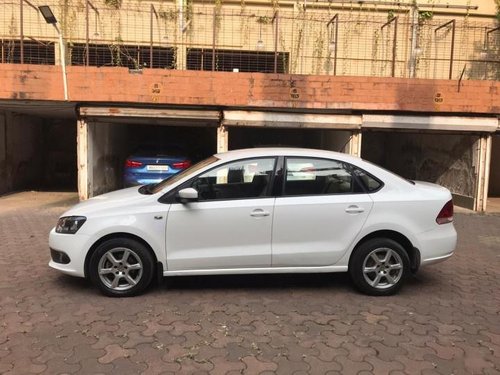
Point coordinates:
[[169, 198]]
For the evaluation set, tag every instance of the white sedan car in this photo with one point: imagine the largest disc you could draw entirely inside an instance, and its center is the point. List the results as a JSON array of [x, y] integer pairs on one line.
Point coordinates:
[[272, 210]]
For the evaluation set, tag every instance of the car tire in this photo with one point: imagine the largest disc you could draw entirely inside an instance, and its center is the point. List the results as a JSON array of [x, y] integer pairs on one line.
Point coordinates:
[[121, 267], [379, 267]]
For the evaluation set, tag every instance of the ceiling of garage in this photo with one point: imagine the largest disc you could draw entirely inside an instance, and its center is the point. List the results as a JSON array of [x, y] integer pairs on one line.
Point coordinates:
[[44, 109]]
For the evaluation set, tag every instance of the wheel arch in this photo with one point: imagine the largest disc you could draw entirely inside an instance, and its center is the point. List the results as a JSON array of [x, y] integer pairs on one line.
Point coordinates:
[[411, 250], [113, 236]]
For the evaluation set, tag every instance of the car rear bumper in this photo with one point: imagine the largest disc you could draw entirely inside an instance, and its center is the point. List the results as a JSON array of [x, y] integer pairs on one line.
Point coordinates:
[[437, 245]]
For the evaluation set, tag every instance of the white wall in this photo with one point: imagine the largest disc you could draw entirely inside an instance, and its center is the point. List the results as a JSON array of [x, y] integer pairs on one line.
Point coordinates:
[[107, 144]]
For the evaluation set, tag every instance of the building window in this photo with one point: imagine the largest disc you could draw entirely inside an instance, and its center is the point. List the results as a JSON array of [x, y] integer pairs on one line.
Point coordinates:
[[34, 52], [244, 61], [132, 57]]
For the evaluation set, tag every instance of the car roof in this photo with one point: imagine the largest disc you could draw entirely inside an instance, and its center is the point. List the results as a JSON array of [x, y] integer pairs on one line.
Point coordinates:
[[284, 151]]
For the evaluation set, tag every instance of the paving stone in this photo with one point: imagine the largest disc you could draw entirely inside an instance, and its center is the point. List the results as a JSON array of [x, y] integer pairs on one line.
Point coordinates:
[[254, 366], [115, 351], [444, 321]]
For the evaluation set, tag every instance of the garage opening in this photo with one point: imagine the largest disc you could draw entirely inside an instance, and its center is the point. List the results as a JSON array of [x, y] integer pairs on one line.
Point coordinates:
[[249, 137], [494, 182], [112, 143], [37, 152], [446, 159]]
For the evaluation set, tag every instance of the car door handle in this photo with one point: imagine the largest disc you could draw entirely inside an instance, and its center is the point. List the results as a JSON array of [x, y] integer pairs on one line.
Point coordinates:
[[354, 209], [259, 213]]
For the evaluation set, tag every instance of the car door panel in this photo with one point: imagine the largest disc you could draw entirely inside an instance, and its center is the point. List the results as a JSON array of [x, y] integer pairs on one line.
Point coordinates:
[[231, 224], [316, 231], [219, 234], [322, 209]]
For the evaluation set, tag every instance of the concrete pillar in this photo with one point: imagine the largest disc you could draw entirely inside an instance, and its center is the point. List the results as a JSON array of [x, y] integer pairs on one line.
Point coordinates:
[[222, 139], [84, 159], [354, 146], [482, 182]]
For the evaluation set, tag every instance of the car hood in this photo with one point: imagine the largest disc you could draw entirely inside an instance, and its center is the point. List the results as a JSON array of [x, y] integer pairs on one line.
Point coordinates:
[[109, 201]]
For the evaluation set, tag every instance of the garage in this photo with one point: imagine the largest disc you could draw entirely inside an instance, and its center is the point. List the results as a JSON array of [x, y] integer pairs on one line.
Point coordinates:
[[421, 150], [494, 181], [108, 136], [247, 129], [37, 148]]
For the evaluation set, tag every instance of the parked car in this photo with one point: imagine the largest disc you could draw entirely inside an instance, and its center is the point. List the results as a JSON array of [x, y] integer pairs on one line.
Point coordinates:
[[152, 164], [272, 210]]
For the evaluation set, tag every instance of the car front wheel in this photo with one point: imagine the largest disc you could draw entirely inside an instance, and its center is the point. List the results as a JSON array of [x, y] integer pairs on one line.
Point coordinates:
[[121, 267], [379, 267]]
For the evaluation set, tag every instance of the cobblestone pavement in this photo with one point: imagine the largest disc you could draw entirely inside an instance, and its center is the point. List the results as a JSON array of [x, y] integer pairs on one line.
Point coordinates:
[[446, 320]]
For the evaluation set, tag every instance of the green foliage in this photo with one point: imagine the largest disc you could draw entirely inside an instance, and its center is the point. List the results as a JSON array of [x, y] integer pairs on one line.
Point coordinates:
[[116, 4], [391, 14], [424, 15], [189, 10], [168, 15], [264, 20], [218, 14]]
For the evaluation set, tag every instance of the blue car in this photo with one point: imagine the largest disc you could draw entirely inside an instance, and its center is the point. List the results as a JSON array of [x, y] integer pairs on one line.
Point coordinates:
[[150, 165]]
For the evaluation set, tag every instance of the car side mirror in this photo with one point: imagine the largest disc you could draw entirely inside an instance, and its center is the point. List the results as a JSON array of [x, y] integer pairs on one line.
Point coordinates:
[[187, 195]]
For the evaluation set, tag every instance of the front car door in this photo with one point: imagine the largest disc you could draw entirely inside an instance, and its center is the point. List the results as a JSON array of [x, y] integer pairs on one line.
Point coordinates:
[[322, 208], [230, 225]]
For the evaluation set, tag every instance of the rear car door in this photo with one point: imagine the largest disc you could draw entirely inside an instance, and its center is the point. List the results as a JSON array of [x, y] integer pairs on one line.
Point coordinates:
[[230, 225], [322, 208]]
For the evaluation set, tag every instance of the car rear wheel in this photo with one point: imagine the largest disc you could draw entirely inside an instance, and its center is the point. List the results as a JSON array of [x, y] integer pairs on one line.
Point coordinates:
[[379, 267], [121, 267]]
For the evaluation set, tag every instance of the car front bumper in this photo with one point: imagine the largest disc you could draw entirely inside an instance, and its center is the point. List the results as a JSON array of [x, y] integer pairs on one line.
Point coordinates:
[[75, 246]]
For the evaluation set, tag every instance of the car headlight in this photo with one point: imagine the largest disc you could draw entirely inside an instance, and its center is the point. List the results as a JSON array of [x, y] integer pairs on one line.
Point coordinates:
[[70, 224]]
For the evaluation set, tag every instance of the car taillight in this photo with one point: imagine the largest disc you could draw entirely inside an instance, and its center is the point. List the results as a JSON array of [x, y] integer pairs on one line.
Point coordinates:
[[446, 214], [182, 164], [132, 164]]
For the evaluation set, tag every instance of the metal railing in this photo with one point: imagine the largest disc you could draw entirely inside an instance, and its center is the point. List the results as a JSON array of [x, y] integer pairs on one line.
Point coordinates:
[[326, 42]]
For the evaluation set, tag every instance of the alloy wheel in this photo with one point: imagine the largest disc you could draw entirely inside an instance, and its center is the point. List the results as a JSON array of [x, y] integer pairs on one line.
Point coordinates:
[[382, 268], [120, 268]]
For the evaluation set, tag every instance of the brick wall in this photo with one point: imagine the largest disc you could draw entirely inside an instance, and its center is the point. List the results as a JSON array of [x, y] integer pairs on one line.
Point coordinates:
[[117, 85]]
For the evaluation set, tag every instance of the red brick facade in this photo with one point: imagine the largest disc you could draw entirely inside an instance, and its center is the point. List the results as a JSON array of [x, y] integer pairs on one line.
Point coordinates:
[[117, 85]]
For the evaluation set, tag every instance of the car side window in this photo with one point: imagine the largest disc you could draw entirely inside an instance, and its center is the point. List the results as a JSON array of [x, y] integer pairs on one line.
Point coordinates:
[[237, 180], [370, 183], [307, 176]]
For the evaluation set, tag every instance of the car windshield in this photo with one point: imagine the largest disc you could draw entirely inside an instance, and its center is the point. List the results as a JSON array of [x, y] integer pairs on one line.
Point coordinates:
[[152, 189]]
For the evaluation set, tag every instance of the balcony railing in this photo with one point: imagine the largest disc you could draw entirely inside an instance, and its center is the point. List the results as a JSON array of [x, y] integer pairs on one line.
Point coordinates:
[[325, 42]]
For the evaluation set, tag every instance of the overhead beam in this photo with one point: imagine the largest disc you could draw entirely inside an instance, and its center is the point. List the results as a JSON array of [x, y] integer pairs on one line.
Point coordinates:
[[128, 112], [453, 123], [290, 120]]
